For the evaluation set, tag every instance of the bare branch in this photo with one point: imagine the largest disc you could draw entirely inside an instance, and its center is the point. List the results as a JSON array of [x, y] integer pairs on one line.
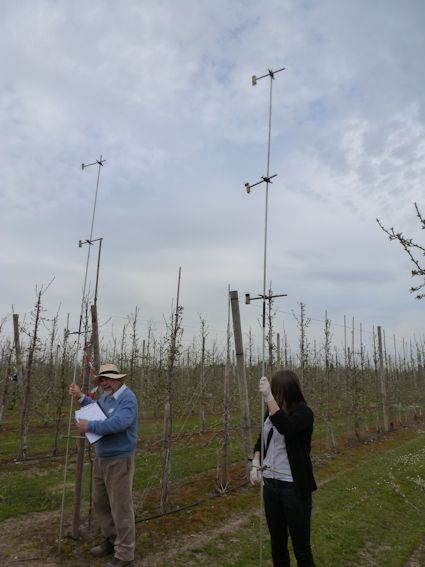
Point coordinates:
[[411, 248]]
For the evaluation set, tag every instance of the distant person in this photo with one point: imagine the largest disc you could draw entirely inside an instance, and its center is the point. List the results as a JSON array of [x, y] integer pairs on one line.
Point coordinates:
[[114, 464], [286, 471]]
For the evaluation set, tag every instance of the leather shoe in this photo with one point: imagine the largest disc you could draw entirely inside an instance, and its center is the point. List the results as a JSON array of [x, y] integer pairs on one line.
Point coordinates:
[[118, 563], [103, 549]]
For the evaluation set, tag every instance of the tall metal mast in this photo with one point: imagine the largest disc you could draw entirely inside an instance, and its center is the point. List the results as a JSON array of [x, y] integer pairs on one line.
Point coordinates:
[[267, 179], [90, 242]]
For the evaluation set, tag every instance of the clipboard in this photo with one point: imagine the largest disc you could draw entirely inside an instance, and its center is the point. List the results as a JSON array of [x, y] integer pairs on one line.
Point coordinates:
[[91, 412]]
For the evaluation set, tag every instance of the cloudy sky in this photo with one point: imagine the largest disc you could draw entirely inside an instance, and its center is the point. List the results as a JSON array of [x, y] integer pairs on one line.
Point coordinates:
[[162, 90]]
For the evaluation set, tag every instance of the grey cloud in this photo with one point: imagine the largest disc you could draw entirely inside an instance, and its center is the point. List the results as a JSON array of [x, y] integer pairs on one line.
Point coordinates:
[[167, 100]]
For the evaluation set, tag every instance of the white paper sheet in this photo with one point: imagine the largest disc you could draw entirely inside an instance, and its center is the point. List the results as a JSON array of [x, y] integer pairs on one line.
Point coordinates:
[[92, 412]]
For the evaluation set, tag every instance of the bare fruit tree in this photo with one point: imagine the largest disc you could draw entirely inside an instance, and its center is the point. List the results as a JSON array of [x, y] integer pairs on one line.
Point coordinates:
[[413, 250], [26, 401], [204, 334], [304, 346], [173, 353]]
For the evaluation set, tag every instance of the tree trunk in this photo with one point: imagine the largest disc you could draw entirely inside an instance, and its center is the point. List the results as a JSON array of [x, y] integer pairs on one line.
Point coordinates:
[[202, 393], [26, 402], [168, 419], [330, 432], [49, 390], [18, 353], [62, 386], [223, 472], [5, 367], [382, 379], [142, 393]]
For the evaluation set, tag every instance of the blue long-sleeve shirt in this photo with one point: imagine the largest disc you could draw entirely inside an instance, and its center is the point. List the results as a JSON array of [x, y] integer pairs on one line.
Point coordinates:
[[119, 429]]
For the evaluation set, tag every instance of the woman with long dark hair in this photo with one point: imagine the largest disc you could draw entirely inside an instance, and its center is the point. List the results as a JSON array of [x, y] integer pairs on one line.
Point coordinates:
[[286, 470]]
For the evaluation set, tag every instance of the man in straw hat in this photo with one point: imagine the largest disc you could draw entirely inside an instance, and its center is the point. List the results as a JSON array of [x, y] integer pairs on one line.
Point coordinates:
[[114, 464]]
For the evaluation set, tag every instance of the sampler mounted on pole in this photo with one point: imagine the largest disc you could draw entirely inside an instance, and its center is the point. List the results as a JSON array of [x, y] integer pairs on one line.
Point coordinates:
[[99, 162], [267, 179]]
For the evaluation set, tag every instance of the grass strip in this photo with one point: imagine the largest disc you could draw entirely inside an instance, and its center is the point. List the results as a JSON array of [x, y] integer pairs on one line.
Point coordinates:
[[371, 514]]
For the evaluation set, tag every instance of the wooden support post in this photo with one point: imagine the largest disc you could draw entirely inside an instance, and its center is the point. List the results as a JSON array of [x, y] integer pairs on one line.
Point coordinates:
[[17, 342], [81, 445], [95, 337], [243, 390]]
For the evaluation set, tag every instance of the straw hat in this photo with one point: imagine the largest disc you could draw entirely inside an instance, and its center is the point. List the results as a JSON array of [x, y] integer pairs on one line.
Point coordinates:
[[110, 371]]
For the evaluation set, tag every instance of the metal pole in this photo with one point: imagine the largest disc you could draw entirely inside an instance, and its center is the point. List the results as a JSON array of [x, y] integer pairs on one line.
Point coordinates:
[[267, 179], [263, 365], [83, 166]]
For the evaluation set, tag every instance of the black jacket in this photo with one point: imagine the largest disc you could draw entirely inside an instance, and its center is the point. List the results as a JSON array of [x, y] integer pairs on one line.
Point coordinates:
[[297, 427]]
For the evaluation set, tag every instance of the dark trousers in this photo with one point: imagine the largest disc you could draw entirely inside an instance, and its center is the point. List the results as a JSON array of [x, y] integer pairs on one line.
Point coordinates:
[[285, 511]]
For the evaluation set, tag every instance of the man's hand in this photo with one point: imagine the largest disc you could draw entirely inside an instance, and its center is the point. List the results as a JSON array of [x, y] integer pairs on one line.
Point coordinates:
[[255, 474], [75, 392], [83, 426], [265, 390]]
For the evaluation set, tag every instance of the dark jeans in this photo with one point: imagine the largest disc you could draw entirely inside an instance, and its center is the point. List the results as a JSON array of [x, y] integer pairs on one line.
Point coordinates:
[[286, 511]]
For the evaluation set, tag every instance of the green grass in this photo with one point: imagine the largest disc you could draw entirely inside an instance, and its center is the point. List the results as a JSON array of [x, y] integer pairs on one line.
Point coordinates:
[[40, 438], [27, 487], [372, 514], [24, 492], [369, 511]]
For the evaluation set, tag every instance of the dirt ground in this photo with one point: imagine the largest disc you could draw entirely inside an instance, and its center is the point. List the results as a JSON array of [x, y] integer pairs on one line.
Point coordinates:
[[20, 544], [20, 535]]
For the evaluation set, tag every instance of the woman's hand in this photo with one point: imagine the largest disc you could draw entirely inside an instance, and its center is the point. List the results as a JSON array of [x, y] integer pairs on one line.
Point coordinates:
[[255, 475], [265, 390]]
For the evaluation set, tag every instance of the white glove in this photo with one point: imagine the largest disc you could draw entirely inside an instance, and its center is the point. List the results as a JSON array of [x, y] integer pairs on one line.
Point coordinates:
[[265, 390], [255, 474]]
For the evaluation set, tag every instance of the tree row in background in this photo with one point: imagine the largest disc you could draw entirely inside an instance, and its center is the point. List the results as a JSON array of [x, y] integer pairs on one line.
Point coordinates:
[[362, 387]]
